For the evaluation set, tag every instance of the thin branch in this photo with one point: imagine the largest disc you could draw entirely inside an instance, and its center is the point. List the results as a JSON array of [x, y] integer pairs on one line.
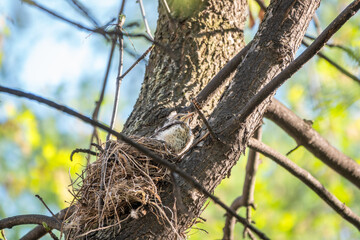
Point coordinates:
[[82, 150], [46, 206], [144, 19], [54, 14], [2, 234], [261, 4], [247, 197], [337, 66], [139, 147], [137, 61], [99, 30], [164, 2], [118, 85], [122, 7], [52, 235], [309, 180], [347, 50], [292, 150], [203, 118], [29, 219], [40, 231], [321, 55], [121, 21], [306, 136], [317, 25], [295, 65], [101, 98], [84, 11]]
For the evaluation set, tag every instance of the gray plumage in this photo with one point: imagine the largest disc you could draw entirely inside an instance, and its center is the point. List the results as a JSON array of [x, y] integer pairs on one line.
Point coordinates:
[[176, 133]]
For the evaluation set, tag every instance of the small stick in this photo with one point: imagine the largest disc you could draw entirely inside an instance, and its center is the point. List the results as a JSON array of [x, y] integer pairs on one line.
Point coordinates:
[[293, 150], [83, 150], [144, 19], [40, 198], [212, 134]]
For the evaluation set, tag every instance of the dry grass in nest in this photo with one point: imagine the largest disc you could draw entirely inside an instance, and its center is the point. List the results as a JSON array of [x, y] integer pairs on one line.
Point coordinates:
[[130, 188]]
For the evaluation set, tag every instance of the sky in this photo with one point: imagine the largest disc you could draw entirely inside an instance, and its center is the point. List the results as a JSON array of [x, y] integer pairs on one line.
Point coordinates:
[[44, 53]]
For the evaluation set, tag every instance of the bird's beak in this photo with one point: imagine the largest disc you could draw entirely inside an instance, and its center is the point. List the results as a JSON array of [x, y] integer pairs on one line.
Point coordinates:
[[187, 116]]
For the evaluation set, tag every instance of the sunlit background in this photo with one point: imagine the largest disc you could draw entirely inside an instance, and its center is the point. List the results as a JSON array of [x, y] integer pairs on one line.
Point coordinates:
[[45, 56]]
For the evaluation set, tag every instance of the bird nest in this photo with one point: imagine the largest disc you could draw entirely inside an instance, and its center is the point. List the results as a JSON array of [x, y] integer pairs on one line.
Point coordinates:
[[129, 188]]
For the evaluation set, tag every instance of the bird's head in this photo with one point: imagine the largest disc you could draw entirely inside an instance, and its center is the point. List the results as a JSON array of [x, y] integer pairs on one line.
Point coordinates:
[[182, 117]]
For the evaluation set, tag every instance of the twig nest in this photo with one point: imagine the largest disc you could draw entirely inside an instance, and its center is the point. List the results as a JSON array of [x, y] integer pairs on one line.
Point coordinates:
[[130, 187]]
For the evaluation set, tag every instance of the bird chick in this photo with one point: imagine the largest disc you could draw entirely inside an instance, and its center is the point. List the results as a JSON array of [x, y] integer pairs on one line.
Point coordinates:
[[176, 132]]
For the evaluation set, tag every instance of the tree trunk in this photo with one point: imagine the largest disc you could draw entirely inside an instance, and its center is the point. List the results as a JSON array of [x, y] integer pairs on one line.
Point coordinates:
[[189, 54]]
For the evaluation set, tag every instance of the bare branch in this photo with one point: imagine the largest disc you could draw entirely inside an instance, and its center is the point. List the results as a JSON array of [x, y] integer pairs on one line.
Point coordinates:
[[203, 118], [101, 98], [118, 84], [139, 147], [84, 11], [78, 150], [247, 197], [144, 19], [306, 136], [230, 67], [334, 64], [29, 219], [261, 4], [78, 25], [350, 52], [321, 55], [316, 22], [137, 61], [46, 206], [309, 180], [40, 231], [295, 65]]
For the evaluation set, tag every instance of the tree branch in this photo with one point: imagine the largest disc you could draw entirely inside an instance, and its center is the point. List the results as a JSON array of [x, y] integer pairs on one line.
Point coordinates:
[[247, 197], [56, 15], [321, 55], [334, 64], [306, 136], [29, 219], [101, 98], [84, 11], [309, 180], [40, 231], [139, 147], [295, 65]]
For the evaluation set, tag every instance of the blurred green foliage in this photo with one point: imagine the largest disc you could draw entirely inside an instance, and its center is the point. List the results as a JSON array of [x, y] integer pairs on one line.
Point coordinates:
[[35, 148]]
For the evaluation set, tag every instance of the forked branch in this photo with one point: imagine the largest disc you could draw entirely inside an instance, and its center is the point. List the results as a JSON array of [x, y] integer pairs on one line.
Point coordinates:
[[309, 180], [306, 136]]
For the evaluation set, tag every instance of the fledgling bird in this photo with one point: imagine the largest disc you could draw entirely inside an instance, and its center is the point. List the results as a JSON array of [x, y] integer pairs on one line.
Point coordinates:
[[176, 132]]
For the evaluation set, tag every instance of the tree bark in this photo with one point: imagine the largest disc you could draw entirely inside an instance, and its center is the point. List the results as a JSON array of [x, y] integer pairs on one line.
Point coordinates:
[[188, 54], [202, 44]]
